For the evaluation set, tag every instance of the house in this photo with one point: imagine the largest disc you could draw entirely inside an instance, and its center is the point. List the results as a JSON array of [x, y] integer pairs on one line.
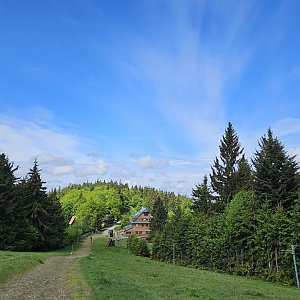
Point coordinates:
[[139, 224]]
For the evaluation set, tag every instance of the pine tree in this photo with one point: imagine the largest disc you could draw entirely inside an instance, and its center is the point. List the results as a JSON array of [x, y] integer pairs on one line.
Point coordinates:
[[159, 214], [15, 232], [244, 177], [202, 197], [36, 206], [276, 179], [223, 179], [8, 209], [55, 235]]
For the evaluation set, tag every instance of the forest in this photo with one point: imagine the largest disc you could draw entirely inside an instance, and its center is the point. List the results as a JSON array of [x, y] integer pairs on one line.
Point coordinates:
[[245, 221], [34, 219], [242, 218]]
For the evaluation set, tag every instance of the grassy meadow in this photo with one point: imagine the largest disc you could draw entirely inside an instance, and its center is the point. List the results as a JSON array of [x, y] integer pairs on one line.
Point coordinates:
[[112, 273], [15, 263]]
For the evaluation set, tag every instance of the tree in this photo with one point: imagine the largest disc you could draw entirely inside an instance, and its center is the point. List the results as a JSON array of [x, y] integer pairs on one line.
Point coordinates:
[[202, 197], [55, 235], [276, 179], [244, 177], [15, 232], [37, 206], [159, 214], [223, 179]]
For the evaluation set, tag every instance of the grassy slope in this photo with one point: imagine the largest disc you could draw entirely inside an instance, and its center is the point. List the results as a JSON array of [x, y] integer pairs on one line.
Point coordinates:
[[114, 274], [14, 263]]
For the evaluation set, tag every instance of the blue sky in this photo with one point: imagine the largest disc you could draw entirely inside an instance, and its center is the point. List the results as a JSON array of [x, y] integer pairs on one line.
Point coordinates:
[[142, 91]]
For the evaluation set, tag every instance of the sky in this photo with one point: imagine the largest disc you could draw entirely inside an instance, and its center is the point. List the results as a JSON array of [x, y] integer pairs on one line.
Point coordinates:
[[142, 91]]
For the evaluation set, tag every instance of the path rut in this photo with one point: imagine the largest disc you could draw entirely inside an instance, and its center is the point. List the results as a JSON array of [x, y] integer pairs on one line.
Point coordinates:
[[52, 280]]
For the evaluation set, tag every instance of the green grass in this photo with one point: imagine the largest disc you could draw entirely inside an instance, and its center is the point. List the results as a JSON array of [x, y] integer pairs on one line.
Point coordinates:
[[15, 263], [112, 273]]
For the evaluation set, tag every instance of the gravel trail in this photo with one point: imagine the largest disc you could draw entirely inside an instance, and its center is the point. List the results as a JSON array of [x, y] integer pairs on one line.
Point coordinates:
[[57, 278]]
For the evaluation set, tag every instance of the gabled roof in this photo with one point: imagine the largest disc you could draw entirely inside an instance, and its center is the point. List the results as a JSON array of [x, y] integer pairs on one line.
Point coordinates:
[[127, 227], [136, 215]]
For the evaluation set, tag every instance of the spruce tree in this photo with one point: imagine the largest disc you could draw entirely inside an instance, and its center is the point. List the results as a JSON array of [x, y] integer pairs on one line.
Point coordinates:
[[159, 216], [15, 231], [276, 179], [244, 177], [37, 206], [202, 197], [223, 179], [55, 235], [8, 201]]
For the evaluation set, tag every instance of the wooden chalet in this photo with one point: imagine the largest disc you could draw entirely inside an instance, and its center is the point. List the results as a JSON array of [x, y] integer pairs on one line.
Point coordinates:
[[139, 224]]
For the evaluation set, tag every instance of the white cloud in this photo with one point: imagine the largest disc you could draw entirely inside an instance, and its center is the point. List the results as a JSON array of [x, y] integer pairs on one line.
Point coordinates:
[[96, 169], [150, 162], [286, 127], [46, 158], [62, 170]]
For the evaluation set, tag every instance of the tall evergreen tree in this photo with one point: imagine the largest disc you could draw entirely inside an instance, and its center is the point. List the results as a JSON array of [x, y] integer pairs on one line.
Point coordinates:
[[55, 234], [276, 179], [15, 231], [8, 201], [244, 177], [202, 197], [223, 179], [159, 214], [37, 206]]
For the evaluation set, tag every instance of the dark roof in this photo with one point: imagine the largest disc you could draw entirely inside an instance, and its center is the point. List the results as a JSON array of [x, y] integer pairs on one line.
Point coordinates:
[[127, 227], [136, 215]]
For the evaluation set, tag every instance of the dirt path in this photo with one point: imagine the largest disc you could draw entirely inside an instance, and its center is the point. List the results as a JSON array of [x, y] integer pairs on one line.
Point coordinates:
[[57, 278]]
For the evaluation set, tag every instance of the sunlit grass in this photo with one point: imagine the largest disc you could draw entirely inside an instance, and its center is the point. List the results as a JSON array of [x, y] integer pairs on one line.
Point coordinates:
[[112, 273], [14, 263]]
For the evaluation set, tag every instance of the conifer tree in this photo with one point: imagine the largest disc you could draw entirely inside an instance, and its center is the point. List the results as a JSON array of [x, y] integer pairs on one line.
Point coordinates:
[[276, 179], [36, 205], [159, 214], [202, 197], [8, 201], [15, 231], [244, 177], [223, 179], [55, 235]]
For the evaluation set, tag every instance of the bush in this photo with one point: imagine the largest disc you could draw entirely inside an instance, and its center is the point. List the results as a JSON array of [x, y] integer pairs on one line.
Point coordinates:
[[73, 233], [138, 246]]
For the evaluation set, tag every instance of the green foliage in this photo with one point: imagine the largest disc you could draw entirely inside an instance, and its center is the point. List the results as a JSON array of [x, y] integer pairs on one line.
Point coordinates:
[[96, 203], [16, 232], [223, 177], [73, 233], [30, 219], [113, 274], [159, 216], [202, 197], [138, 246], [276, 179]]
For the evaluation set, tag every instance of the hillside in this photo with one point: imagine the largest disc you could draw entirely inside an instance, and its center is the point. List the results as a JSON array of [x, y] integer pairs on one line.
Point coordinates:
[[112, 273]]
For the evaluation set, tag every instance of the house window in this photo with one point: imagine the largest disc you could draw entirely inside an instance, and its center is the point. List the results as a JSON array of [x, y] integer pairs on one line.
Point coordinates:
[[136, 232], [142, 225], [140, 232], [136, 225]]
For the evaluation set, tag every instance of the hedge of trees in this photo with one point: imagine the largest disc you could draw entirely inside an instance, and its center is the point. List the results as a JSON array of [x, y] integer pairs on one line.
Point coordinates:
[[30, 219], [245, 221]]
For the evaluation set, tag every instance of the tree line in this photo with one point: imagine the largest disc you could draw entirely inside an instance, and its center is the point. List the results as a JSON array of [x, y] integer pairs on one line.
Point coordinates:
[[30, 218], [98, 203], [244, 221]]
